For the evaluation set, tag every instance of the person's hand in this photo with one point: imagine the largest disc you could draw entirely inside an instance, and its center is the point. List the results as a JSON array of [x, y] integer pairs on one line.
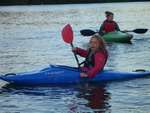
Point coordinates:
[[103, 32], [125, 31], [83, 75], [74, 49]]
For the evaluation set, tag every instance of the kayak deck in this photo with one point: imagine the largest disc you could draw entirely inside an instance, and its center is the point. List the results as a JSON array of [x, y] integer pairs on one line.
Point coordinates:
[[57, 74]]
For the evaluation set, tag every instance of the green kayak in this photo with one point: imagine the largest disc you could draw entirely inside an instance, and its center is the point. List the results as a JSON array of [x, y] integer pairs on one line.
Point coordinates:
[[118, 36]]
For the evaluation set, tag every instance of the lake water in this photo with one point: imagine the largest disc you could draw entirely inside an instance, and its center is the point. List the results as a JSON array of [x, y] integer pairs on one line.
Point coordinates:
[[30, 38]]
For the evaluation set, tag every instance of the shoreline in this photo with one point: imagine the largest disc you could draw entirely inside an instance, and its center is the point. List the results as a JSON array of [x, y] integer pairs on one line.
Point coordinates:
[[57, 2]]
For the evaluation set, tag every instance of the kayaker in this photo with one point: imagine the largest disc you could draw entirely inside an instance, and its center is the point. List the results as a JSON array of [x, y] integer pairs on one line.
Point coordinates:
[[109, 25], [96, 56]]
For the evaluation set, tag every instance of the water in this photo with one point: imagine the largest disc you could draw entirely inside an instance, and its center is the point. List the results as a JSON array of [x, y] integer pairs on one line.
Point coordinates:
[[30, 38]]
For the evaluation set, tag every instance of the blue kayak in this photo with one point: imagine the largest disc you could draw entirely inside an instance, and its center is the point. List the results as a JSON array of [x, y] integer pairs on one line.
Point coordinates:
[[58, 74]]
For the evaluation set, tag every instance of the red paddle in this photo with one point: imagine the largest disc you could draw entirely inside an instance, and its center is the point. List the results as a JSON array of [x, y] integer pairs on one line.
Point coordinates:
[[67, 35]]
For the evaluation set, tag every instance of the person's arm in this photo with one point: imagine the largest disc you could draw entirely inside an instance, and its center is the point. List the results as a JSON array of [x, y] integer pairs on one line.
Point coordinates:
[[100, 60], [81, 52], [117, 27], [101, 31]]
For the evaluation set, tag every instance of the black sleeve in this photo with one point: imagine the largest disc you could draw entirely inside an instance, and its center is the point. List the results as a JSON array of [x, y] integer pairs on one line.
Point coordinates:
[[117, 27], [101, 29]]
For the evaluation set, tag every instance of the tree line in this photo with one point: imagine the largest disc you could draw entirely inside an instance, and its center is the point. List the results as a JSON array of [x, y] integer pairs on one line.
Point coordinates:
[[36, 2]]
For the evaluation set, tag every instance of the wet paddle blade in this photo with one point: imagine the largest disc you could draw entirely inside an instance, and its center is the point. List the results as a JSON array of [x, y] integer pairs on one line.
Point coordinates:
[[87, 32], [67, 34], [140, 31]]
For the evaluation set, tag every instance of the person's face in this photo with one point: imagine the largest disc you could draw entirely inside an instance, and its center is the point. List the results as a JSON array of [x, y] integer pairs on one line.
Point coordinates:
[[110, 17], [94, 44]]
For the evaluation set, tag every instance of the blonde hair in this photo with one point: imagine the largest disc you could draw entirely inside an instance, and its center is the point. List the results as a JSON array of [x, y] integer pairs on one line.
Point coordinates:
[[102, 44]]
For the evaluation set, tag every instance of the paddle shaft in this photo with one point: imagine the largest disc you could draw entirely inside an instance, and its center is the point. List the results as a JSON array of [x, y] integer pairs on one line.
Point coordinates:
[[75, 56], [138, 31]]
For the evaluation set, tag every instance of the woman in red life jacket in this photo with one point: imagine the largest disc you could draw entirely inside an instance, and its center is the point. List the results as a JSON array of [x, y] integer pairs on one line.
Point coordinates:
[[109, 25], [96, 57]]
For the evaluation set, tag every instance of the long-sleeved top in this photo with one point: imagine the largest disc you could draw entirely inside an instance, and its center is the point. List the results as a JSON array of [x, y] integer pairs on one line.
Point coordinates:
[[99, 60]]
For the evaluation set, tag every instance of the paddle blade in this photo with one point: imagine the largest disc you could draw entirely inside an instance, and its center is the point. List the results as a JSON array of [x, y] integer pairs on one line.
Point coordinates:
[[87, 32], [140, 31], [67, 34]]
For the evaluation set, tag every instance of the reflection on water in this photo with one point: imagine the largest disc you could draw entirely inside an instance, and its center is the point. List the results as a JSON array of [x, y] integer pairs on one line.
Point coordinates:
[[97, 98], [81, 98]]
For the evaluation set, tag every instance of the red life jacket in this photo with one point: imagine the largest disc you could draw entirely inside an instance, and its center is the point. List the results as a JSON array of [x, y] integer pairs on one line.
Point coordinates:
[[109, 26]]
